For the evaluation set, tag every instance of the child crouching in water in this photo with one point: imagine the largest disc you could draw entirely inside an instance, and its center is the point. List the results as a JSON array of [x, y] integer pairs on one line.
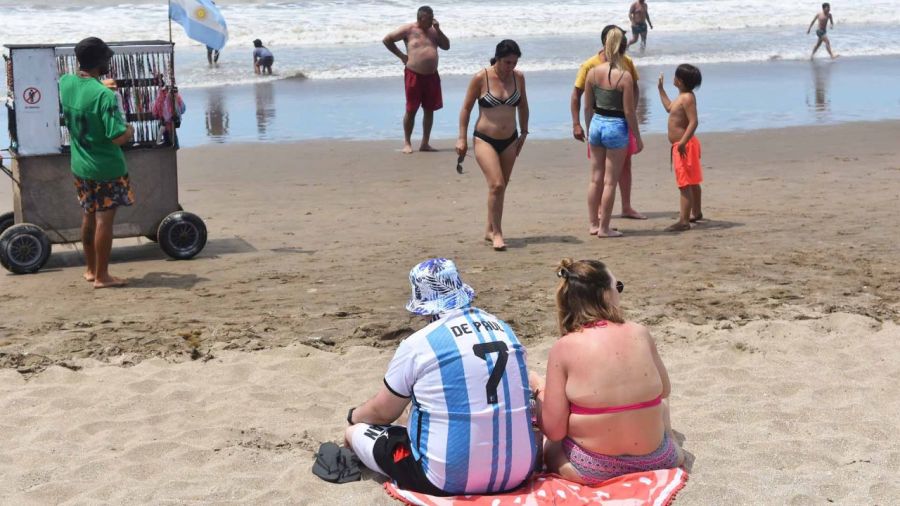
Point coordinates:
[[685, 154]]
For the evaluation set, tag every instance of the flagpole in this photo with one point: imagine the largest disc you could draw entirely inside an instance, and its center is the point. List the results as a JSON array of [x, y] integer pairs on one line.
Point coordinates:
[[172, 99]]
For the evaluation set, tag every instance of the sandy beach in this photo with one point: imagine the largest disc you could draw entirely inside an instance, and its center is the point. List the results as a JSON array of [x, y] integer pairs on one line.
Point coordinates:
[[214, 380]]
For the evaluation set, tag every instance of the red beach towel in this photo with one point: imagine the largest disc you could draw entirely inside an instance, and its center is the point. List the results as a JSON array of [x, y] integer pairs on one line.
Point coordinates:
[[656, 488]]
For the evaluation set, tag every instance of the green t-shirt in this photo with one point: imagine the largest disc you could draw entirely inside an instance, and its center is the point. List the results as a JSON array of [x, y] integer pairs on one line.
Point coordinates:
[[93, 118]]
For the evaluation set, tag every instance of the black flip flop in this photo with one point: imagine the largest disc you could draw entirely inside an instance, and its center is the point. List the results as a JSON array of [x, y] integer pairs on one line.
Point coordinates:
[[335, 464]]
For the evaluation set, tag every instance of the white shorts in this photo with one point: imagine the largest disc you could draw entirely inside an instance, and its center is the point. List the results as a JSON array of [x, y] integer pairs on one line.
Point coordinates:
[[386, 450], [363, 443]]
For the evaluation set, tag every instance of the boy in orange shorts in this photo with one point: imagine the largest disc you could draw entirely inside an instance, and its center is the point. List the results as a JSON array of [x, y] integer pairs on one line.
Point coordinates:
[[685, 147]]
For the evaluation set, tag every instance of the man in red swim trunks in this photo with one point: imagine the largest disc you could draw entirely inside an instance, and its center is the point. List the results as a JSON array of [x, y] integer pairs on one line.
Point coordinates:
[[423, 84]]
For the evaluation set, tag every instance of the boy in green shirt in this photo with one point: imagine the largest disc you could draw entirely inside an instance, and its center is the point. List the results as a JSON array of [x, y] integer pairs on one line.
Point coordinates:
[[97, 132]]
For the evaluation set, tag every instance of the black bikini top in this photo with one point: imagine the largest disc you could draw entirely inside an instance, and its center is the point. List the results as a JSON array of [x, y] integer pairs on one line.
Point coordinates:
[[489, 100]]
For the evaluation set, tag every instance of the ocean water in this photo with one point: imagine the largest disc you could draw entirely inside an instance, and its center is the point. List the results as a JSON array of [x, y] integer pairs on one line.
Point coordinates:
[[734, 97], [335, 79], [341, 39]]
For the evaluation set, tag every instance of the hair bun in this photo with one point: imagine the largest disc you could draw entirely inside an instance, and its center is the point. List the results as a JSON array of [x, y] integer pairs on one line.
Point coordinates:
[[563, 269]]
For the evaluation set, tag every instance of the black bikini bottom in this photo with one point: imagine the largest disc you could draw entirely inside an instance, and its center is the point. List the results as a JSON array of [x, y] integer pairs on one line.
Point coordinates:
[[499, 145], [609, 113]]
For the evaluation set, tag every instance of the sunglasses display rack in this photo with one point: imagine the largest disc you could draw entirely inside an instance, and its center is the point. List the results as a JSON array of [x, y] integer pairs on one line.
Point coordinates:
[[139, 74]]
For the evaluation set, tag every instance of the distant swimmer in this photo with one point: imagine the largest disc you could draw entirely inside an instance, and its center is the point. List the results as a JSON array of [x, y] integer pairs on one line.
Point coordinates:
[[822, 18], [212, 56], [423, 84], [262, 58], [640, 19]]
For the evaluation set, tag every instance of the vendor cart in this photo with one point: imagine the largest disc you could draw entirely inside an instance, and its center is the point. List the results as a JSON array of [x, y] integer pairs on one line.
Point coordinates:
[[45, 209]]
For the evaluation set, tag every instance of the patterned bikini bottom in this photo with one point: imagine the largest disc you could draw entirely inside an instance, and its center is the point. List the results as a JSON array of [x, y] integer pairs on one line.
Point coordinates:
[[596, 468]]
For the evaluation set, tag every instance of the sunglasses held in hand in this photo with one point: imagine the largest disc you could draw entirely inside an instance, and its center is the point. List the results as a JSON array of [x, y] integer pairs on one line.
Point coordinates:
[[459, 161]]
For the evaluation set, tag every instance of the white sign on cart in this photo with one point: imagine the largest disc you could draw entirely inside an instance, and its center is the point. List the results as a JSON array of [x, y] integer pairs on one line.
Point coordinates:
[[36, 101]]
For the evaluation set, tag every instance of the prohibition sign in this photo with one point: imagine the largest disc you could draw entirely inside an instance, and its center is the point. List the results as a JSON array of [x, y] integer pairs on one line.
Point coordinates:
[[32, 96]]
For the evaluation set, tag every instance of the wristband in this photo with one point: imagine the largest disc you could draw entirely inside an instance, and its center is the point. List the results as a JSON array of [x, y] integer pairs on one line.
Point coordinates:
[[350, 416]]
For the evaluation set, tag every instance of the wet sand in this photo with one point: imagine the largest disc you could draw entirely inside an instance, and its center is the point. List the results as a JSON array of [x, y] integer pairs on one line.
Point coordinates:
[[214, 380]]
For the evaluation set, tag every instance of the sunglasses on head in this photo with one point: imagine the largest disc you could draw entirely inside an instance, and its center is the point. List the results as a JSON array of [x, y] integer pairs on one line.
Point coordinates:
[[620, 286]]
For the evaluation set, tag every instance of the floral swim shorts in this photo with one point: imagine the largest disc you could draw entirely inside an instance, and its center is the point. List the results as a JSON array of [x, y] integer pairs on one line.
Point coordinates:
[[104, 195]]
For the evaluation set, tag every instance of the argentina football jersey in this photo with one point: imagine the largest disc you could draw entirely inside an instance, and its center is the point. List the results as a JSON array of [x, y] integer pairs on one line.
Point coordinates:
[[470, 425]]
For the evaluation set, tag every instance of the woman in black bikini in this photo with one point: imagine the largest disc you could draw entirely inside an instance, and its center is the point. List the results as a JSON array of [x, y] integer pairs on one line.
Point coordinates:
[[500, 93]]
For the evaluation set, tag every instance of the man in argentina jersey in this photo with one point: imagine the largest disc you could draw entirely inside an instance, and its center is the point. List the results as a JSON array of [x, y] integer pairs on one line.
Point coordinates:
[[469, 431]]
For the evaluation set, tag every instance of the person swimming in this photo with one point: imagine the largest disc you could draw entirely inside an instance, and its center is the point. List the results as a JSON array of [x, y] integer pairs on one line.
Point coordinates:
[[262, 58]]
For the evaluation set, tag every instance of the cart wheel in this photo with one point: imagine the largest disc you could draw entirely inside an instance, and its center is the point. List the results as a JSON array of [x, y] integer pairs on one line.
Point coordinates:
[[182, 235], [153, 236], [24, 248], [6, 220]]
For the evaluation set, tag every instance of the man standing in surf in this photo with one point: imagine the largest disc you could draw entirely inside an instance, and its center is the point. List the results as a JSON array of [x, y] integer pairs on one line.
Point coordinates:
[[822, 18], [423, 84], [640, 18]]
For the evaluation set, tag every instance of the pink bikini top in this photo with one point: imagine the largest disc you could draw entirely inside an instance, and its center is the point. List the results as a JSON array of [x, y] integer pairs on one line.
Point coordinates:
[[575, 409]]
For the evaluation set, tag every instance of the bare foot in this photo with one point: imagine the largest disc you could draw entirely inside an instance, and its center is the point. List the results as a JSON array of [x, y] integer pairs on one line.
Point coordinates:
[[89, 277], [426, 148], [499, 244], [697, 218], [612, 233], [631, 214], [407, 149], [678, 227], [110, 282], [594, 230]]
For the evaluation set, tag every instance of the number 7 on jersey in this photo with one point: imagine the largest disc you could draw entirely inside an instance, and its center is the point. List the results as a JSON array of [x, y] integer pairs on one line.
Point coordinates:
[[499, 347]]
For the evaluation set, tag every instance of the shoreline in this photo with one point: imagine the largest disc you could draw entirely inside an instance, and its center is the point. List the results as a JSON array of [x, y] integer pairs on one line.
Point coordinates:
[[388, 143]]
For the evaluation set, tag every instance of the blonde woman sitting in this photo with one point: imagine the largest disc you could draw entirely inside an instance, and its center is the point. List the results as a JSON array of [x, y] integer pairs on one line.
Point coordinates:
[[603, 406]]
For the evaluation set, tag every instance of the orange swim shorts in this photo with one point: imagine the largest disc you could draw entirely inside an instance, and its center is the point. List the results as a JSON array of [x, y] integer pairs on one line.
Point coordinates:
[[687, 168]]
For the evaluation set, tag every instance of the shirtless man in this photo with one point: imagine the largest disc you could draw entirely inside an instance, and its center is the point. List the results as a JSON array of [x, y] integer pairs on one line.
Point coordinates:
[[823, 18], [640, 18], [423, 84]]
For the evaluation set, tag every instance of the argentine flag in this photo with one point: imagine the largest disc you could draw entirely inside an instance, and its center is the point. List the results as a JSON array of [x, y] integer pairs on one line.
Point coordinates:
[[201, 20]]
